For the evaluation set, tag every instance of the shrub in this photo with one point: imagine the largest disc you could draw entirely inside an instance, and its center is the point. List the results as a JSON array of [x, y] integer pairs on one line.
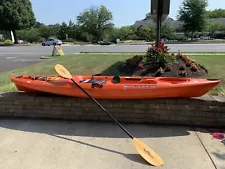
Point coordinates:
[[159, 54], [180, 37], [8, 42], [105, 43], [132, 37]]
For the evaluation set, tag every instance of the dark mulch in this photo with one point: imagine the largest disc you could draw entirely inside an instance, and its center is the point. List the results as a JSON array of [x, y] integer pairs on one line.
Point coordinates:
[[180, 68]]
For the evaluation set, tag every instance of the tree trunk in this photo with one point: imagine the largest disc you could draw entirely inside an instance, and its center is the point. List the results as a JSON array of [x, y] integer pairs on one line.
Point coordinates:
[[192, 35], [15, 36]]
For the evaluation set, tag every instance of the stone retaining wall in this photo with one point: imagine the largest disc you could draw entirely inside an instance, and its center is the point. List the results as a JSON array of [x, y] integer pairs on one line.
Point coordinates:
[[203, 111]]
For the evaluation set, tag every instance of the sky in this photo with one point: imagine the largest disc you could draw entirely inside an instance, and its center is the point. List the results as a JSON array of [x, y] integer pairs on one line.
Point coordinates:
[[125, 12]]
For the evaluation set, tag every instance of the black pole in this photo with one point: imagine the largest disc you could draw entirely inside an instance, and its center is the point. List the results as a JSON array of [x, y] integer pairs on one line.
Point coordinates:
[[102, 108], [159, 19]]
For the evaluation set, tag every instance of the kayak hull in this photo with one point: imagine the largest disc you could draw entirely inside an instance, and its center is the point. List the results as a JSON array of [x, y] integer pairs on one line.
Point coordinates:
[[109, 87]]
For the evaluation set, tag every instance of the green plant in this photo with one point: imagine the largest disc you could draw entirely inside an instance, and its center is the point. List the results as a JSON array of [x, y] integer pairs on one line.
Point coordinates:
[[105, 43], [180, 37], [8, 42], [159, 54]]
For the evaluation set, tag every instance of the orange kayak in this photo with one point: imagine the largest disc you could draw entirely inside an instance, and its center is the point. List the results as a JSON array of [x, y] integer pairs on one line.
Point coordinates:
[[115, 87]]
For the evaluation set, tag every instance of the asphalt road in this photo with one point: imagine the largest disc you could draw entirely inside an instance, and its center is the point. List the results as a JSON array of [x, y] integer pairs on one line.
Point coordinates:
[[20, 56]]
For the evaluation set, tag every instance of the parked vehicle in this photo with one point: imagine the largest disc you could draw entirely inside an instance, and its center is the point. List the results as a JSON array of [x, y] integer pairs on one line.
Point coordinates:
[[50, 41]]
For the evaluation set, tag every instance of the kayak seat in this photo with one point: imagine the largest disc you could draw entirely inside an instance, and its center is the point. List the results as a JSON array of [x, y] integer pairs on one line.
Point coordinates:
[[94, 82]]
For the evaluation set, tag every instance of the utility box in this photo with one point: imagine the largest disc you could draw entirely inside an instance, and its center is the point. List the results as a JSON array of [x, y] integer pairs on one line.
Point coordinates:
[[164, 7]]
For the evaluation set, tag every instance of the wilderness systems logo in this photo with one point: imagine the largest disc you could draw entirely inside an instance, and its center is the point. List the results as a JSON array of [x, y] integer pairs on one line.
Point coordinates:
[[139, 86]]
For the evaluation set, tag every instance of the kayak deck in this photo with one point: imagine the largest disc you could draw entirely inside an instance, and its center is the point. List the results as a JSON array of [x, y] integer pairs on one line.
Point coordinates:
[[115, 87]]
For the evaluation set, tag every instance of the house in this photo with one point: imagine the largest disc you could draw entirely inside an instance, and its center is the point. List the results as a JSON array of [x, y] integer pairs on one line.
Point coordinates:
[[149, 22], [177, 25]]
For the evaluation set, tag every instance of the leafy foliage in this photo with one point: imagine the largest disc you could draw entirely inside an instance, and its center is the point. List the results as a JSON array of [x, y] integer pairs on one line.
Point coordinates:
[[193, 15], [217, 13], [54, 30], [16, 15], [8, 42], [95, 24], [45, 32], [146, 33], [213, 27], [31, 35], [125, 32], [159, 54], [63, 31], [167, 32], [95, 21]]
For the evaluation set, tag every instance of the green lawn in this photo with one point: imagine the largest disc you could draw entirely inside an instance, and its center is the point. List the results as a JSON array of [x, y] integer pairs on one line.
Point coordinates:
[[89, 64], [215, 64]]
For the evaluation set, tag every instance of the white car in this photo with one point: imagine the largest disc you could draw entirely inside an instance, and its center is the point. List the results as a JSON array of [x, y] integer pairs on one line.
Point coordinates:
[[51, 42]]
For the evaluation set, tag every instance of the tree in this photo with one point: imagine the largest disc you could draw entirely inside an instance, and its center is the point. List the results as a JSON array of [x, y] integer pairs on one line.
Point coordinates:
[[193, 14], [81, 35], [125, 32], [115, 33], [146, 33], [71, 30], [63, 31], [38, 25], [95, 21], [31, 35], [167, 32], [217, 13], [214, 27], [54, 30], [16, 15], [45, 32]]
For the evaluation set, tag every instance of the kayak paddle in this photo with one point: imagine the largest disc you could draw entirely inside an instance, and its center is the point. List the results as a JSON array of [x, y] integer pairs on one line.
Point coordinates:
[[148, 154]]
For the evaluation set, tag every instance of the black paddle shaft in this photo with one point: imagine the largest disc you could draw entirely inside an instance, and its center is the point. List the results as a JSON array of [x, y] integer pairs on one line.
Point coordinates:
[[102, 108]]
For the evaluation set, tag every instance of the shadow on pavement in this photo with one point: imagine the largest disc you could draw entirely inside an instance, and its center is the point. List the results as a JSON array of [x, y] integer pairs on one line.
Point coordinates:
[[220, 156], [92, 129], [61, 129], [133, 157]]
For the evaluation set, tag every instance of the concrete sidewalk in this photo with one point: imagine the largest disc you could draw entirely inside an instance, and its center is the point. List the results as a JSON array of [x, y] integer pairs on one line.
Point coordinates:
[[42, 144]]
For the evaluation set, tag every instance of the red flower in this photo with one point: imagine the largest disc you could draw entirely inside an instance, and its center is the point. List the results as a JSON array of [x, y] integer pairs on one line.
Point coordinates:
[[169, 68], [188, 64], [162, 43], [140, 65], [194, 68], [182, 67]]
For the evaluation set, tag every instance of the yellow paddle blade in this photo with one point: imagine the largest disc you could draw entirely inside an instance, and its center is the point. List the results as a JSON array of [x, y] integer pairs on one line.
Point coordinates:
[[62, 71], [148, 154]]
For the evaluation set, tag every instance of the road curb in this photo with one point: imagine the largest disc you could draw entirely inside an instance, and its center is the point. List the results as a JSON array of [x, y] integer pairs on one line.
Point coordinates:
[[43, 57]]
